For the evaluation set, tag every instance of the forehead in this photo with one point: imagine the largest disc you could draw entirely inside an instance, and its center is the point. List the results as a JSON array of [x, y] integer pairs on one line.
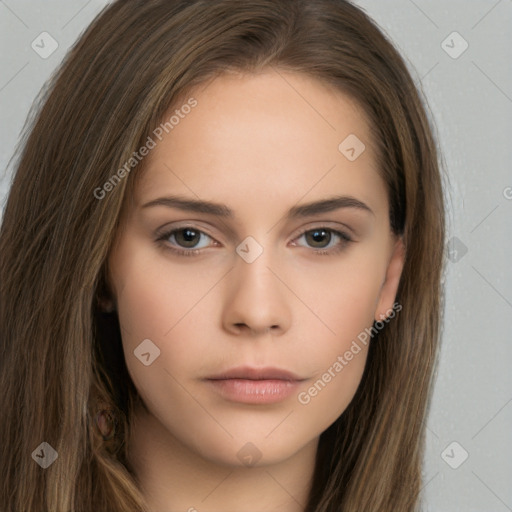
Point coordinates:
[[273, 135]]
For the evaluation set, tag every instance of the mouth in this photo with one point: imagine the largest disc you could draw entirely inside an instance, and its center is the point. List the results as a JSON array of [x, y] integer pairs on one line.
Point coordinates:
[[255, 385]]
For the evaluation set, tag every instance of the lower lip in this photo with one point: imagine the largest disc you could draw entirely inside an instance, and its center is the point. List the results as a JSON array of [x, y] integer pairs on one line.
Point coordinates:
[[254, 391]]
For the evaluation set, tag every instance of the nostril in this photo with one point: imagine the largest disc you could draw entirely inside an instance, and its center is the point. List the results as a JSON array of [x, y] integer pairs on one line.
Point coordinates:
[[254, 331]]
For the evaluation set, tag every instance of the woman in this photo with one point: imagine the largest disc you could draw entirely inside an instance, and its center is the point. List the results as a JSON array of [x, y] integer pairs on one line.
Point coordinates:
[[256, 374]]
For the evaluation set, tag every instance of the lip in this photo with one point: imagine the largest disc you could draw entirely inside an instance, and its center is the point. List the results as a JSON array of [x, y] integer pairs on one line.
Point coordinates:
[[255, 385], [250, 373]]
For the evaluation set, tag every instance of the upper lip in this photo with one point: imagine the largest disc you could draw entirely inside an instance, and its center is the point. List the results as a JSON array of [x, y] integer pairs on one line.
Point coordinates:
[[250, 373]]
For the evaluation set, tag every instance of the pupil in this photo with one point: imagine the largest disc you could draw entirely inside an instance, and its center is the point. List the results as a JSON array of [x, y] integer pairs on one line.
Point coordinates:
[[319, 235], [188, 236]]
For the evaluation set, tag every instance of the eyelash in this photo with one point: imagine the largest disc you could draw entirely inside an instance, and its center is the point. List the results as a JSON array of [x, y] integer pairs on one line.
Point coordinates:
[[162, 240]]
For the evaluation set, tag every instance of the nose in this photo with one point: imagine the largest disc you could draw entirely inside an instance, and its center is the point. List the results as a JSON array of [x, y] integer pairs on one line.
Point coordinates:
[[256, 301]]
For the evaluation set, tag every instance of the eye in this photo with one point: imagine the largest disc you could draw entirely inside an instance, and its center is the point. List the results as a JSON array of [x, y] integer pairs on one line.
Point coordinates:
[[188, 238], [325, 239], [190, 241]]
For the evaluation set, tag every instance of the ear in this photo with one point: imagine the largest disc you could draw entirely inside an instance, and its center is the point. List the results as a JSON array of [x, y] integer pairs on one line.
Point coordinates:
[[106, 304], [389, 287], [105, 299]]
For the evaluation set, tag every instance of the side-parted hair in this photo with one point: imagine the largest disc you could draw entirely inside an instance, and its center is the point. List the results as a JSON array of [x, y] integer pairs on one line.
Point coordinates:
[[61, 359]]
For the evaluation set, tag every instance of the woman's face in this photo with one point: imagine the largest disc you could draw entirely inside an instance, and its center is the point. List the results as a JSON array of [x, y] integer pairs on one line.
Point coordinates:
[[256, 253]]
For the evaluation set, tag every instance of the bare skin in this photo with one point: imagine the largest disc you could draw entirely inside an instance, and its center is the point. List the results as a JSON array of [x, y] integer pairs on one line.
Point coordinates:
[[255, 145]]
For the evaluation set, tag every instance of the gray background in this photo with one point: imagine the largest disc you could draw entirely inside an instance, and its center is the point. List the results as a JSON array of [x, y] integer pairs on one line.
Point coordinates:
[[470, 99]]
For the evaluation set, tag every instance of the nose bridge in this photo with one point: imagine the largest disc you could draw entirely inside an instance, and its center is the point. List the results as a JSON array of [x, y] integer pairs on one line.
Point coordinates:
[[256, 297], [252, 271]]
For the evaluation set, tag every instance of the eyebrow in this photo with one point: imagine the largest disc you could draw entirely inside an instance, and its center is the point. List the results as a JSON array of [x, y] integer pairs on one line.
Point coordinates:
[[221, 210]]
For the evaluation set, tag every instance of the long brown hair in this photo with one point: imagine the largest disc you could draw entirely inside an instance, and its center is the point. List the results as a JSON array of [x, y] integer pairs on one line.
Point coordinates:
[[61, 357]]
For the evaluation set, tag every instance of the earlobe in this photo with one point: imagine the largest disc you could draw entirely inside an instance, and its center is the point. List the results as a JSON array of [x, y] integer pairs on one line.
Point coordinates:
[[390, 286], [106, 304]]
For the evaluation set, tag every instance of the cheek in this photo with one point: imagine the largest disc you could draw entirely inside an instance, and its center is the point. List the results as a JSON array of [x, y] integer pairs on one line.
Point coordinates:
[[337, 359], [343, 295], [156, 294], [171, 308], [344, 299], [170, 305]]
